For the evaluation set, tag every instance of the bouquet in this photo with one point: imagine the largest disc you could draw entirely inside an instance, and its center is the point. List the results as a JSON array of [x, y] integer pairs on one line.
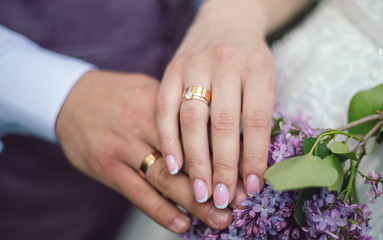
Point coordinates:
[[310, 188]]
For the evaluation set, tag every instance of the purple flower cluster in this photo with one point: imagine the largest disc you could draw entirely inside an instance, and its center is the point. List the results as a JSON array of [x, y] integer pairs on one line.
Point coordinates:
[[328, 217], [270, 214], [374, 192], [288, 143], [199, 230]]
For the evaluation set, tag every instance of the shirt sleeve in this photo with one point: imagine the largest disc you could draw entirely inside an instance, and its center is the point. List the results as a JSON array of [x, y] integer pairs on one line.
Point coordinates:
[[34, 83]]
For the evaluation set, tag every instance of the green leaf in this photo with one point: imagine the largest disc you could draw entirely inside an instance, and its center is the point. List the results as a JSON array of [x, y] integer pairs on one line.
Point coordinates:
[[342, 150], [322, 150], [363, 104], [354, 194], [276, 129], [301, 172], [352, 221], [304, 194], [333, 160]]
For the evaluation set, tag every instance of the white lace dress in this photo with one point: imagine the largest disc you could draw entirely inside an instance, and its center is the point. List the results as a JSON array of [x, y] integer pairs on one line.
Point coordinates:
[[334, 53]]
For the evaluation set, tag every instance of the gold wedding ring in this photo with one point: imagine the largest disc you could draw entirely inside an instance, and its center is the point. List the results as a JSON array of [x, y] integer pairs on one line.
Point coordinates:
[[148, 161], [197, 93]]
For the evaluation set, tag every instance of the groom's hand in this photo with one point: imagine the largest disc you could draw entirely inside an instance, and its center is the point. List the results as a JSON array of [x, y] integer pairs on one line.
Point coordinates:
[[107, 126]]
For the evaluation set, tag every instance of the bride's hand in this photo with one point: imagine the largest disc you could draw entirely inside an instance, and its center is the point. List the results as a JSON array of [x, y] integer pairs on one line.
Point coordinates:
[[225, 53]]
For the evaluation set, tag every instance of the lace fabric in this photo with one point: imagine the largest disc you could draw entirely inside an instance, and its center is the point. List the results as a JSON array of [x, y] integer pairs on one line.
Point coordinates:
[[323, 63], [374, 8]]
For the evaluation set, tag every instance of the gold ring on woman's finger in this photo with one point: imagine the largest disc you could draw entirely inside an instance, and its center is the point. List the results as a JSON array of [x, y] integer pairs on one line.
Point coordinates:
[[197, 93]]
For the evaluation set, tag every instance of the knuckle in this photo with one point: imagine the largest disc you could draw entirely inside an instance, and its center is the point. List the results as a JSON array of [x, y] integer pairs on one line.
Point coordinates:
[[167, 141], [159, 214], [97, 168], [195, 163], [190, 117], [223, 165], [223, 123], [252, 157], [102, 164], [258, 122], [225, 52], [198, 59], [136, 191], [263, 62], [256, 161]]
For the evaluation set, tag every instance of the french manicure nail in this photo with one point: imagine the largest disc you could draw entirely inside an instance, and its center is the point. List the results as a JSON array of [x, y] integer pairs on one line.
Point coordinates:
[[200, 190], [252, 185], [221, 196], [172, 164]]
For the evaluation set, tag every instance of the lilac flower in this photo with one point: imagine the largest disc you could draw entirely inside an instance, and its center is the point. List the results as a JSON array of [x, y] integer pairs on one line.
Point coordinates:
[[285, 151], [374, 191], [264, 207], [327, 196], [330, 221], [283, 199], [232, 235], [324, 220], [286, 144]]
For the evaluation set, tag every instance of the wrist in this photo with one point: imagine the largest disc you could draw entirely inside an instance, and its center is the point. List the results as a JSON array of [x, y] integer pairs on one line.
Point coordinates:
[[243, 15], [263, 16], [70, 100]]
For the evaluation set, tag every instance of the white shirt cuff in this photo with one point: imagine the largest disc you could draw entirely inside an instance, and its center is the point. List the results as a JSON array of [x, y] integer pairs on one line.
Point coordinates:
[[34, 84]]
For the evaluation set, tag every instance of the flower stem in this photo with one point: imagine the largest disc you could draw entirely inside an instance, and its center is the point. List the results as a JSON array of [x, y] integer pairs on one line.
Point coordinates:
[[350, 181], [368, 135], [377, 116], [368, 177]]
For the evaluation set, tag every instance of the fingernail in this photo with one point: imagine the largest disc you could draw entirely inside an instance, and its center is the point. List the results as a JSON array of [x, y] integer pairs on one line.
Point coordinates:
[[221, 196], [181, 224], [200, 190], [252, 185], [172, 164]]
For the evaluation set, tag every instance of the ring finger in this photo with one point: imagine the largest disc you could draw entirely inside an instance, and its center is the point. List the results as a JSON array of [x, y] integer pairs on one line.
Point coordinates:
[[194, 115], [124, 178]]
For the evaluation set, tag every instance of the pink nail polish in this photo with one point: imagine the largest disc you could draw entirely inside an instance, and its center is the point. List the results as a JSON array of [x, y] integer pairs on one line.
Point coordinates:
[[200, 190], [172, 164], [252, 184], [221, 196]]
